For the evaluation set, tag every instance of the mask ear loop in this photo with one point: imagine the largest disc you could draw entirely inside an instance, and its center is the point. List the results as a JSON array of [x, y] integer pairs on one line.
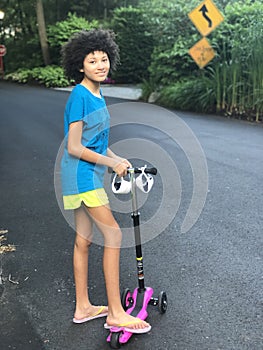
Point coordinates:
[[120, 187], [144, 181], [140, 180], [144, 177], [115, 186]]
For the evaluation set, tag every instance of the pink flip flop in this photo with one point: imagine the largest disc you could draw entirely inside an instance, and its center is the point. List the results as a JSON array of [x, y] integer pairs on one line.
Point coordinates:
[[93, 317]]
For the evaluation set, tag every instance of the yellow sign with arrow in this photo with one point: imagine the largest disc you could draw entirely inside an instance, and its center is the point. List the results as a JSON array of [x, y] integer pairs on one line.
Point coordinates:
[[206, 17]]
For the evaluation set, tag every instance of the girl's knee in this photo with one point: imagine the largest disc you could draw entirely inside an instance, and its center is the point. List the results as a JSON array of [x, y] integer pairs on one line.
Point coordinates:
[[113, 238], [82, 243]]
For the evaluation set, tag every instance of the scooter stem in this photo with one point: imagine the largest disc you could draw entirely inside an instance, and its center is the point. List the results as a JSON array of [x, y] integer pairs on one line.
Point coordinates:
[[137, 234]]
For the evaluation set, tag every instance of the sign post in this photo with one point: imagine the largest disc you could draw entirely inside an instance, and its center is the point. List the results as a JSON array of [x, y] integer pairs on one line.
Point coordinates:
[[2, 53], [206, 17]]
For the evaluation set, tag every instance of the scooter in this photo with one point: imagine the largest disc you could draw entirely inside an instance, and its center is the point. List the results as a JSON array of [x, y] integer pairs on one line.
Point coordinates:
[[136, 303]]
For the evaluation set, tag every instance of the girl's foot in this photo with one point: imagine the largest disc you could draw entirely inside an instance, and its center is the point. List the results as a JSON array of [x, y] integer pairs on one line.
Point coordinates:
[[129, 323], [90, 313]]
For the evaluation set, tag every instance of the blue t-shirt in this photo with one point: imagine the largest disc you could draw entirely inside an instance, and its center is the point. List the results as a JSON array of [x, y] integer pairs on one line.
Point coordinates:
[[78, 175]]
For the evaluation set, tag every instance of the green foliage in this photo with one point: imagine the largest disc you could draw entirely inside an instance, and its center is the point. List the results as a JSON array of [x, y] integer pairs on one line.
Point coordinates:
[[237, 71], [147, 87], [19, 26], [135, 43], [192, 94], [255, 71], [170, 65], [22, 75], [22, 52], [167, 20], [154, 39], [101, 9], [232, 82], [50, 76], [60, 32], [20, 18], [173, 34]]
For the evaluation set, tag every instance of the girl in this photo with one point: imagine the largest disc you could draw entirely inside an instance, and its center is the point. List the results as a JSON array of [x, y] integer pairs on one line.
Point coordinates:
[[87, 59]]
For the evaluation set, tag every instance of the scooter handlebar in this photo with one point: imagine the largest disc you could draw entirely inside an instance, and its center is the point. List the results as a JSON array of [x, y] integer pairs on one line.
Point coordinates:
[[152, 171]]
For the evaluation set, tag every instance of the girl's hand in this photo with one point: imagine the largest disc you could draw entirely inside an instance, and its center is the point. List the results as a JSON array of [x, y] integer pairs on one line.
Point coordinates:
[[129, 165], [121, 166]]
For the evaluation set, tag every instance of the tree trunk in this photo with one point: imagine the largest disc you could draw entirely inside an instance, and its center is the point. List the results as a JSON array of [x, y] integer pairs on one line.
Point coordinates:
[[42, 31], [105, 15]]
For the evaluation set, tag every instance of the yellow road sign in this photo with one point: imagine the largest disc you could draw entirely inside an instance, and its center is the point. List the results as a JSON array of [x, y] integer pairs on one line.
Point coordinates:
[[202, 53], [206, 17]]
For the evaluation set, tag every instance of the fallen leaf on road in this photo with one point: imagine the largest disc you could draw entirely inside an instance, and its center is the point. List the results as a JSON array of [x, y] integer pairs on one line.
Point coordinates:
[[7, 248]]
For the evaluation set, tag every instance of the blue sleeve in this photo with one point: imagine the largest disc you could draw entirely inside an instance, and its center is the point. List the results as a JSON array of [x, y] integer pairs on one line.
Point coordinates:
[[75, 107]]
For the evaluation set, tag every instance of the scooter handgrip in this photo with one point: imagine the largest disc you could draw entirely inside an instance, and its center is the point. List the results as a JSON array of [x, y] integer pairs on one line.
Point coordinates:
[[152, 171]]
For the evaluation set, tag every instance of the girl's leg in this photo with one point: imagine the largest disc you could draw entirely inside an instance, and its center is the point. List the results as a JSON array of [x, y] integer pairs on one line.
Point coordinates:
[[80, 264], [106, 223]]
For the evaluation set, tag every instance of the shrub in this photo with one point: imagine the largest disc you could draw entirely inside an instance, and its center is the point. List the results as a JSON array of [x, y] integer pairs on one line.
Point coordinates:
[[59, 33], [22, 75], [135, 43], [22, 52], [232, 83], [173, 35], [50, 76], [192, 95]]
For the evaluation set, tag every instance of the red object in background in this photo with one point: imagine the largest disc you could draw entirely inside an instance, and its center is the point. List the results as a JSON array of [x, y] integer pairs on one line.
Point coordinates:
[[2, 50], [2, 53]]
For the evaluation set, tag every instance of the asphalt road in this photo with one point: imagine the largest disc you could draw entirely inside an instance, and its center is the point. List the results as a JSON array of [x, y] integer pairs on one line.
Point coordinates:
[[213, 274]]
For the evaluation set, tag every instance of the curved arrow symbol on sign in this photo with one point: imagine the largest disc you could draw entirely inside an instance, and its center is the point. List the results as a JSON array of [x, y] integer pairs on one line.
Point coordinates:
[[204, 11]]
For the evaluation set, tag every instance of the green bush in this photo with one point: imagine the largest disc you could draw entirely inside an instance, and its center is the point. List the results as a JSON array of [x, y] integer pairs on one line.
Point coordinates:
[[50, 76], [232, 83], [59, 33], [192, 94], [22, 52], [22, 75], [147, 87], [135, 43], [173, 35], [238, 68]]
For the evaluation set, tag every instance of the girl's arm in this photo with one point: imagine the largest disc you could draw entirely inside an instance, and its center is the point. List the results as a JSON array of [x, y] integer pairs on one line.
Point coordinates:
[[76, 149], [111, 154]]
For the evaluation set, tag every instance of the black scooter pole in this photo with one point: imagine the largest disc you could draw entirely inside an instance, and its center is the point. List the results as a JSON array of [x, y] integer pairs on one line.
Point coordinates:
[[137, 234]]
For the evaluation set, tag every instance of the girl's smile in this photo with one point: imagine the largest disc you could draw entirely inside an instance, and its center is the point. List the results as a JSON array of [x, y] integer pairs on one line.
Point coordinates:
[[96, 66]]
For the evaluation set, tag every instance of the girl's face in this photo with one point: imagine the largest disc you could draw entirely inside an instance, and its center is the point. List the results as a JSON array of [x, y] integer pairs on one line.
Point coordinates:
[[96, 66]]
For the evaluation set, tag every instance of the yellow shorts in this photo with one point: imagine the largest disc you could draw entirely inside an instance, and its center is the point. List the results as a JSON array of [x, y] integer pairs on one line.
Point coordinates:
[[94, 198]]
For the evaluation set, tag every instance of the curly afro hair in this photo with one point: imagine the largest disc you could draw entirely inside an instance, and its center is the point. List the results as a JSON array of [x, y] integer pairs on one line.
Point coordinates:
[[84, 43]]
